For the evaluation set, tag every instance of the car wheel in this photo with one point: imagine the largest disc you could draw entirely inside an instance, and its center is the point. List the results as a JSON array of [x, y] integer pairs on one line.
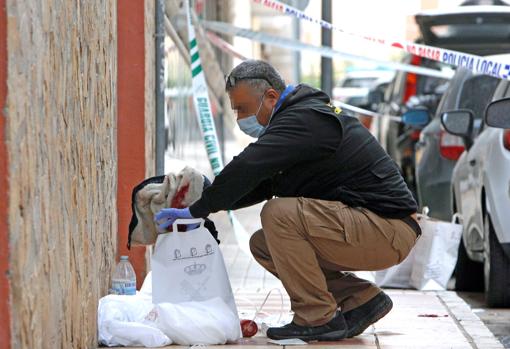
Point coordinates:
[[469, 275], [496, 269]]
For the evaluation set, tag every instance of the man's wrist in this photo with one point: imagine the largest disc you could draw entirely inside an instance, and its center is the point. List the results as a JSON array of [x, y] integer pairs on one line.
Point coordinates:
[[198, 211], [187, 213]]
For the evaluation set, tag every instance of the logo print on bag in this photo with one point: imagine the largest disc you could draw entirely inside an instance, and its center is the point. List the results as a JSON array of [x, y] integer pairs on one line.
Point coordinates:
[[195, 269], [208, 250]]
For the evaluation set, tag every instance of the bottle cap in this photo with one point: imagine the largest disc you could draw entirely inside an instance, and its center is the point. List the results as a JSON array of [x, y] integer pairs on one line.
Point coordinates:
[[124, 258]]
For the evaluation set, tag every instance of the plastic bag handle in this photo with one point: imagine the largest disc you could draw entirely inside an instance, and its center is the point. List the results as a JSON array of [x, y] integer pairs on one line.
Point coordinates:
[[459, 217], [185, 221]]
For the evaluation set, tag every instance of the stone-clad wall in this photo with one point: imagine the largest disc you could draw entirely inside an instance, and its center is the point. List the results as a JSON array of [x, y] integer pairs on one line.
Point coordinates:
[[61, 141]]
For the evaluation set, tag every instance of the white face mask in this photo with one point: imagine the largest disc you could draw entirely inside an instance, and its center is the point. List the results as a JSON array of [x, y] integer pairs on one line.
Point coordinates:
[[250, 124]]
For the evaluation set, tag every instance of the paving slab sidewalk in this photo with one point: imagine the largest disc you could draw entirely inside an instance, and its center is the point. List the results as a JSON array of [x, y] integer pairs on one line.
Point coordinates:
[[418, 320], [436, 320]]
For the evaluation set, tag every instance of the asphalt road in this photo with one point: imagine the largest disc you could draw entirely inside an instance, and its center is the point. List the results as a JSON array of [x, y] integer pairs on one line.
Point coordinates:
[[497, 320]]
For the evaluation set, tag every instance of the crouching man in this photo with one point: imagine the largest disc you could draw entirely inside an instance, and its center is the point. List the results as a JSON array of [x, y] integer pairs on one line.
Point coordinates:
[[336, 203]]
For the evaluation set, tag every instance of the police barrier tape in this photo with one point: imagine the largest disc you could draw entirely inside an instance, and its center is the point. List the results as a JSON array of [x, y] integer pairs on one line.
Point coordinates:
[[228, 29], [224, 46], [476, 64], [230, 50], [205, 120], [366, 112]]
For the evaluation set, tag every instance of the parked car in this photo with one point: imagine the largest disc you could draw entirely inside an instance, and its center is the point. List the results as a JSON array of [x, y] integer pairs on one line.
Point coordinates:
[[481, 190], [401, 89], [374, 98], [354, 88], [437, 151], [480, 30]]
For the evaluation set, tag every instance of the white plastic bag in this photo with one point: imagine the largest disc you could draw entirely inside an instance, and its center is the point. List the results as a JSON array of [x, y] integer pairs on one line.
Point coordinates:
[[435, 253], [398, 276], [135, 321], [190, 323], [121, 322], [188, 266]]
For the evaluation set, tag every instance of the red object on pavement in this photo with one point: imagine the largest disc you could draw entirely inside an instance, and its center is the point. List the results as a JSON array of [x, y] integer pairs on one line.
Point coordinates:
[[249, 328]]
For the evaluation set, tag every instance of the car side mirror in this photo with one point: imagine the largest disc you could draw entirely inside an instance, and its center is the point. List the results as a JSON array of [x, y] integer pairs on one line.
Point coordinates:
[[416, 117], [459, 123], [497, 113]]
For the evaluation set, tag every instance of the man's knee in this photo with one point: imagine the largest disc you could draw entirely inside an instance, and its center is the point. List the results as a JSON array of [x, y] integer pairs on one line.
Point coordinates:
[[257, 241], [267, 214], [278, 210]]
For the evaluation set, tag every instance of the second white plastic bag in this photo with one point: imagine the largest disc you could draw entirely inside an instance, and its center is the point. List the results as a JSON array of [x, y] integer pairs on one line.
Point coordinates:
[[435, 254]]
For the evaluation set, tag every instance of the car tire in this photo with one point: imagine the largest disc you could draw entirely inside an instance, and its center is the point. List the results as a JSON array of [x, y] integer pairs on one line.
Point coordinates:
[[469, 275], [497, 269]]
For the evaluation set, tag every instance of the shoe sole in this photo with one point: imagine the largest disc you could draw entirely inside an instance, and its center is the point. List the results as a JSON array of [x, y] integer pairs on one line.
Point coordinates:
[[326, 337], [376, 315]]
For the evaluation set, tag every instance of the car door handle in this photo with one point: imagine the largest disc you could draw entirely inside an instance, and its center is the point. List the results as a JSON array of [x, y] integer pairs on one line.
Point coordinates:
[[472, 162]]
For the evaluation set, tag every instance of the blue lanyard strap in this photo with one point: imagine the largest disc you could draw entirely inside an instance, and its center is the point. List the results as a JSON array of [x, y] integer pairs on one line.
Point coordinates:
[[284, 94]]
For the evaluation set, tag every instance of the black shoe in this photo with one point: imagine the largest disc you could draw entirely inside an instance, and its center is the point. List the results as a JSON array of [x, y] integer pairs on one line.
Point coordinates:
[[358, 319], [334, 330]]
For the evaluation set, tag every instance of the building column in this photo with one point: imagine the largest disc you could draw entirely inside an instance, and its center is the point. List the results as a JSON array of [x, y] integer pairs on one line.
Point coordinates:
[[131, 116]]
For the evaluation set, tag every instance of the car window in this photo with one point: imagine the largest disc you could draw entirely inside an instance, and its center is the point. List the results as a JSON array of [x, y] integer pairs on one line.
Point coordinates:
[[449, 100], [507, 93], [476, 94], [473, 31], [443, 103], [359, 82], [429, 84], [502, 90]]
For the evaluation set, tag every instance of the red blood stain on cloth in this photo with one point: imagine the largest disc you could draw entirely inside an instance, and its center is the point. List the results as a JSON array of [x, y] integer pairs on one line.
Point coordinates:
[[179, 197], [177, 203]]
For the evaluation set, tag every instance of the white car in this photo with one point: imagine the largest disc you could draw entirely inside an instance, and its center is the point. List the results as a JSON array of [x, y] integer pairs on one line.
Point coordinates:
[[481, 189], [354, 88]]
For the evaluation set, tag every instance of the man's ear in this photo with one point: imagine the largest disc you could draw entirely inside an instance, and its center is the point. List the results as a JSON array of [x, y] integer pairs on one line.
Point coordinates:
[[272, 95]]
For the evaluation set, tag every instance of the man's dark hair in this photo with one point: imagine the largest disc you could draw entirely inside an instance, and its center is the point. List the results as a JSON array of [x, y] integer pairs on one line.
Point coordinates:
[[257, 74]]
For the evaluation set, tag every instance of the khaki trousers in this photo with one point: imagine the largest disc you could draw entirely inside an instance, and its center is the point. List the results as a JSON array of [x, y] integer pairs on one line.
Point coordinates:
[[310, 244]]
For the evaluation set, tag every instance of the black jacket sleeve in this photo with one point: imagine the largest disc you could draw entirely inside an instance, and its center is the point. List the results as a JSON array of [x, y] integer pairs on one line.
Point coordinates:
[[261, 193], [287, 141]]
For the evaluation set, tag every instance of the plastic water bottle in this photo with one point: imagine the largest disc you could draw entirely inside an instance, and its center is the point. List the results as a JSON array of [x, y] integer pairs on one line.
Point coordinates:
[[124, 278]]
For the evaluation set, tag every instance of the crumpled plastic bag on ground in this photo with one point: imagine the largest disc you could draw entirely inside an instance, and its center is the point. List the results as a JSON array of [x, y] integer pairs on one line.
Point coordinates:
[[135, 321], [121, 322], [208, 322]]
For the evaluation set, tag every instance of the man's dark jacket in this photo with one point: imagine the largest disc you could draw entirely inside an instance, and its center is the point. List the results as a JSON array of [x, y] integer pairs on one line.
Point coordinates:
[[310, 151]]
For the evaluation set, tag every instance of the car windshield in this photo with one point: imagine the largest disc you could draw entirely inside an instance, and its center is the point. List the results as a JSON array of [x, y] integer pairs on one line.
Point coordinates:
[[492, 31]]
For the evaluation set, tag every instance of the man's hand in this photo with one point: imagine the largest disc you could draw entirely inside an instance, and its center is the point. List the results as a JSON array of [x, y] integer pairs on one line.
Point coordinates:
[[167, 216]]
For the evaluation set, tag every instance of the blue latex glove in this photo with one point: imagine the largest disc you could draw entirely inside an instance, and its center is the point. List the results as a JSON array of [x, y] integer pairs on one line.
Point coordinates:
[[170, 215]]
